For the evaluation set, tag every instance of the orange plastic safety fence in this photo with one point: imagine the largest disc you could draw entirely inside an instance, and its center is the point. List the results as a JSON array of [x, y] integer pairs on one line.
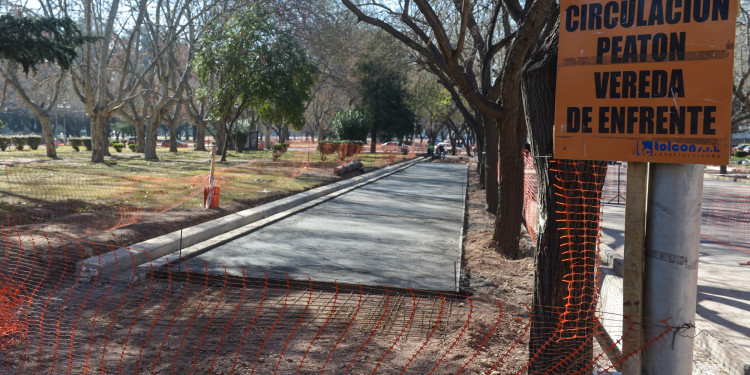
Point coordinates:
[[580, 328], [579, 221], [179, 318], [185, 317], [725, 210]]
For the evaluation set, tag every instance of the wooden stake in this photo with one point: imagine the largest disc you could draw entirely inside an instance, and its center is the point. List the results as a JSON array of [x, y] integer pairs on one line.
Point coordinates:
[[633, 273]]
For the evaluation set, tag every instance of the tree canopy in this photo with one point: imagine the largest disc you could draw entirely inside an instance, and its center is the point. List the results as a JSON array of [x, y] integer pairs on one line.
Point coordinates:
[[351, 125], [289, 77], [383, 95], [33, 40], [255, 64]]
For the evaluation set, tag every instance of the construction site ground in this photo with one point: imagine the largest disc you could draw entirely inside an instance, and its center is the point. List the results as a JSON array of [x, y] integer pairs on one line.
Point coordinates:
[[203, 323]]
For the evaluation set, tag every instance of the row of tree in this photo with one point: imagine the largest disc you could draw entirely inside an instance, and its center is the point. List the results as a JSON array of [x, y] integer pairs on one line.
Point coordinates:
[[215, 65]]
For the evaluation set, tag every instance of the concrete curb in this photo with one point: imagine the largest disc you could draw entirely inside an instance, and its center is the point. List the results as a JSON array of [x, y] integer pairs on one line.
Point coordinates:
[[727, 178], [125, 260], [611, 259], [458, 266], [730, 357]]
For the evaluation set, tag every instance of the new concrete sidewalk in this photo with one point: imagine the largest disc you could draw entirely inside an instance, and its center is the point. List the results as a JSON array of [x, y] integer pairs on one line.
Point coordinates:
[[723, 320], [402, 231], [122, 262]]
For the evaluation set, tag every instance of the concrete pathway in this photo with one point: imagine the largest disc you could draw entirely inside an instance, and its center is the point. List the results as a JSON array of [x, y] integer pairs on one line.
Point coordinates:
[[403, 230]]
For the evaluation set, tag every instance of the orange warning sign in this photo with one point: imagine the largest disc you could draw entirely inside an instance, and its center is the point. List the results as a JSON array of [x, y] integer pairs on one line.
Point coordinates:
[[646, 80]]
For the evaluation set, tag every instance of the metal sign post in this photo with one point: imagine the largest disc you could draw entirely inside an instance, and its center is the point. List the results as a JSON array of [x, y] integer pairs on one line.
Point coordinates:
[[671, 267]]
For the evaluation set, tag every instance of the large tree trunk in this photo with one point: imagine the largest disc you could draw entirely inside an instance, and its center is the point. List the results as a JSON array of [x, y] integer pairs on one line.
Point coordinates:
[[200, 136], [150, 147], [105, 137], [172, 141], [507, 231], [173, 121], [465, 141], [511, 129], [49, 137], [98, 130], [453, 136], [490, 163], [564, 283]]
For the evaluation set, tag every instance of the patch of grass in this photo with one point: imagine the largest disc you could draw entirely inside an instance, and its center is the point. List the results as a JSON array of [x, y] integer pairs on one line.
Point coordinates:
[[126, 182]]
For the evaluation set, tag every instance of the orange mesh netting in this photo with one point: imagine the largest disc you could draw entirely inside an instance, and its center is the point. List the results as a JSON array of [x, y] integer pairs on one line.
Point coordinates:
[[725, 210], [177, 317]]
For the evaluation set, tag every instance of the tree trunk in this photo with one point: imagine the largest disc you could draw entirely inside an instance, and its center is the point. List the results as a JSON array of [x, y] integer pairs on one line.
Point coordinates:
[[480, 157], [225, 143], [150, 142], [98, 127], [172, 138], [38, 109], [105, 137], [507, 231], [453, 136], [465, 141], [200, 136], [490, 163], [173, 119], [220, 136], [284, 136], [561, 290], [374, 143], [49, 137], [267, 142], [140, 137]]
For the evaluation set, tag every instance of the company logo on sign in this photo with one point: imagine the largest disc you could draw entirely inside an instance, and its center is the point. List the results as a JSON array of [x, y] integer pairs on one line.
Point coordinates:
[[653, 148]]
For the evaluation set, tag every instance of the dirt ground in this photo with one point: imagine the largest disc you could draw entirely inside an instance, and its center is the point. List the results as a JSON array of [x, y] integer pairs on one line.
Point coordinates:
[[166, 322]]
